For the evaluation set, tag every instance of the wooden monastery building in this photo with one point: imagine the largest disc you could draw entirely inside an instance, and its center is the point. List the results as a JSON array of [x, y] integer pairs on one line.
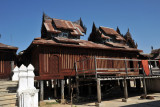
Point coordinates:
[[7, 60], [54, 53]]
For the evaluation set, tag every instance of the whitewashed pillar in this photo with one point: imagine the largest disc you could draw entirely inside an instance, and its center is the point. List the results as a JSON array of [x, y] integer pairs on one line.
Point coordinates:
[[27, 93], [15, 76], [22, 79], [31, 76]]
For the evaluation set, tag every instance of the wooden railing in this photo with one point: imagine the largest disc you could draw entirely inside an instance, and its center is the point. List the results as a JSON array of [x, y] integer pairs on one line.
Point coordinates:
[[114, 66]]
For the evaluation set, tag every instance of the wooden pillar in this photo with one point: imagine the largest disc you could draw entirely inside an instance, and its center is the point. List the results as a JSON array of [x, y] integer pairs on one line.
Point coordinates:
[[99, 91], [125, 89], [89, 90], [77, 88], [12, 67], [62, 89], [144, 86], [121, 84], [69, 86], [41, 90], [138, 84], [55, 88], [128, 84]]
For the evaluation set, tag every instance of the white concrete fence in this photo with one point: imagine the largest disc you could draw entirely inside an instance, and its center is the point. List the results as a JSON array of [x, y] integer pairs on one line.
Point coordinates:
[[27, 93]]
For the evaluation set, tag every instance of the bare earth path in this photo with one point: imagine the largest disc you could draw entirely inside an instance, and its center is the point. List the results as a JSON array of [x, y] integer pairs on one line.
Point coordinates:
[[132, 102]]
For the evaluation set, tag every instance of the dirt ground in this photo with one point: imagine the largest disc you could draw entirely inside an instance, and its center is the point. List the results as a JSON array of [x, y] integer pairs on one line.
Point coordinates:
[[131, 102]]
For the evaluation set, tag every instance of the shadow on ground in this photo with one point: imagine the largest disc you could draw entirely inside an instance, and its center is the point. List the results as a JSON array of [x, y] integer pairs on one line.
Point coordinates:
[[146, 104]]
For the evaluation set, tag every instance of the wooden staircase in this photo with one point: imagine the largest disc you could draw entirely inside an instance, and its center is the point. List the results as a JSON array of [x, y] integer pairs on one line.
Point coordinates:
[[8, 94]]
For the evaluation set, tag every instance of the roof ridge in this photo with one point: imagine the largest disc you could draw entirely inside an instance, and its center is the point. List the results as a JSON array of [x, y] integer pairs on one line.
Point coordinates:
[[106, 27], [62, 19]]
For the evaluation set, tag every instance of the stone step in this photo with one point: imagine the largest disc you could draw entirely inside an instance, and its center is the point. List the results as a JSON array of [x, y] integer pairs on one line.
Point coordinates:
[[8, 85], [8, 82], [3, 91], [11, 97], [8, 103], [7, 94], [11, 105]]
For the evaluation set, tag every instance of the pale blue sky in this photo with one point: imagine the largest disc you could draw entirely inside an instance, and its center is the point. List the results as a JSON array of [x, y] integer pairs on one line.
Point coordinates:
[[20, 21]]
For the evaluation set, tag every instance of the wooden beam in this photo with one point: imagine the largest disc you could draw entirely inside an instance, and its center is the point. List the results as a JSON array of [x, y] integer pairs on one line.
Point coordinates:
[[125, 89], [41, 90], [98, 91]]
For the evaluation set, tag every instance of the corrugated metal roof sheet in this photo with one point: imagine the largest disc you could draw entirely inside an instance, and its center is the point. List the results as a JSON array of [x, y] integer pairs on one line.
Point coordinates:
[[82, 30], [81, 43], [77, 31], [119, 45], [3, 46], [63, 24], [50, 28], [109, 31], [60, 24]]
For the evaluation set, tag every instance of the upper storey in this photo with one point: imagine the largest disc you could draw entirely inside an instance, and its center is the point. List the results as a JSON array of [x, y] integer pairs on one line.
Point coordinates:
[[52, 27], [107, 36]]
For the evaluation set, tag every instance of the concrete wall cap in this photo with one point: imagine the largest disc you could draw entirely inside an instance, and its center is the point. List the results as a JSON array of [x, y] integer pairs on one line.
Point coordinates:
[[16, 69], [30, 67], [23, 68]]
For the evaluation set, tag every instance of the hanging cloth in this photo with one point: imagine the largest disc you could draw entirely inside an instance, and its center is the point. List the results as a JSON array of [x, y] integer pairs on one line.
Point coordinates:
[[145, 67]]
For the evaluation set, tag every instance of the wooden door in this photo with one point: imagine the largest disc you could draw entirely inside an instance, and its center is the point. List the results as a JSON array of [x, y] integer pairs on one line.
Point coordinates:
[[54, 64]]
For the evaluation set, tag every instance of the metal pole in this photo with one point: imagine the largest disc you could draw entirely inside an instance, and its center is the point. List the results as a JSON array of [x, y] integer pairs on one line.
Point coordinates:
[[95, 62]]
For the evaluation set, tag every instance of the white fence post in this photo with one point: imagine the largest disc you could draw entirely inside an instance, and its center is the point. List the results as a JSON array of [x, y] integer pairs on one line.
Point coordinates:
[[31, 76], [15, 76], [22, 79], [27, 93]]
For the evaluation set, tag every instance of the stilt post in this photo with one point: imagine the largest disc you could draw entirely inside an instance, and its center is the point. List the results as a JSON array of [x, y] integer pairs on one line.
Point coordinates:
[[69, 86], [62, 89], [125, 89], [99, 90], [144, 86], [55, 88], [41, 90], [89, 90], [126, 67], [95, 64], [77, 88], [63, 101]]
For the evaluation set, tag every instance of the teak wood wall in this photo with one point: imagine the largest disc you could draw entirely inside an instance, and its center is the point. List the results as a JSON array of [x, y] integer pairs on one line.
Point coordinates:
[[55, 62], [5, 63]]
